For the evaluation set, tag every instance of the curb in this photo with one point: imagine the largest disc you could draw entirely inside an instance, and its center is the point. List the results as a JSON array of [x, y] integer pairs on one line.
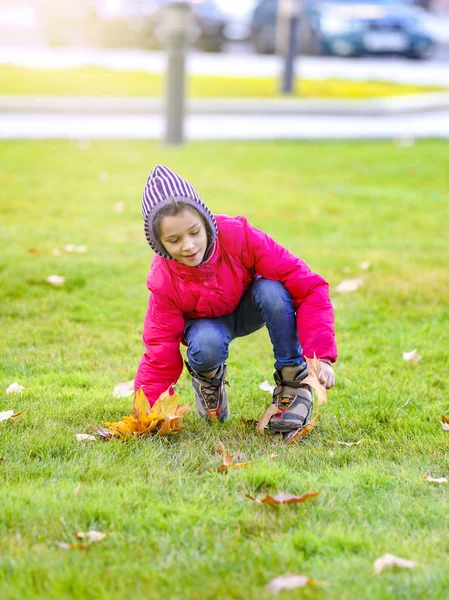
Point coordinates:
[[395, 105]]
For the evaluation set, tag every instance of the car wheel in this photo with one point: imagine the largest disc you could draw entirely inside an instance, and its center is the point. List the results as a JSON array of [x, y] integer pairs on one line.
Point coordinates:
[[420, 55]]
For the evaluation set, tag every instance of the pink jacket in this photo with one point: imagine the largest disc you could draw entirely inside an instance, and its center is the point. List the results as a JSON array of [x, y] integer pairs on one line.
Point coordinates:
[[215, 288]]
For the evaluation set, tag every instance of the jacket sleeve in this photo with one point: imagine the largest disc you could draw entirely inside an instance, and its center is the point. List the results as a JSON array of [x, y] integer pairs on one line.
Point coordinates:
[[161, 365], [309, 291]]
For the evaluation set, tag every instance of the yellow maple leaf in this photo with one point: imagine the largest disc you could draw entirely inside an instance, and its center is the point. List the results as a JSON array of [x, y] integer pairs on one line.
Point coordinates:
[[162, 418]]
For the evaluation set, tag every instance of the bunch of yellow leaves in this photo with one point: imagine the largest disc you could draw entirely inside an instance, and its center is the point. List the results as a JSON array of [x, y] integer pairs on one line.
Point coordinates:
[[162, 418]]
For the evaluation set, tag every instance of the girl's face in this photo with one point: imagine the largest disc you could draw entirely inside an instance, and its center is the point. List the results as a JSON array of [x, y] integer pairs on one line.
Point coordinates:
[[184, 237]]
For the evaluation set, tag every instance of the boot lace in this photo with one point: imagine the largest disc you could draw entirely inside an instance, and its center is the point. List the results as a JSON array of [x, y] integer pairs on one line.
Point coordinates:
[[283, 398], [211, 394]]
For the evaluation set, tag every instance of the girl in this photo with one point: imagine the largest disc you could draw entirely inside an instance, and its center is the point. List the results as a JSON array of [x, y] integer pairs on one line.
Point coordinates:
[[215, 278]]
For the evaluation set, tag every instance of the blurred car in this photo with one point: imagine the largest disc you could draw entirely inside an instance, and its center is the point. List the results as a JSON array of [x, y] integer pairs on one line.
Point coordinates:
[[239, 15], [351, 28], [117, 23]]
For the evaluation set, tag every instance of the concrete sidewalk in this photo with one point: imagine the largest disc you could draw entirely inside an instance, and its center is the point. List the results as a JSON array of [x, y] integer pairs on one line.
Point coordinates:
[[399, 70], [397, 105], [225, 127]]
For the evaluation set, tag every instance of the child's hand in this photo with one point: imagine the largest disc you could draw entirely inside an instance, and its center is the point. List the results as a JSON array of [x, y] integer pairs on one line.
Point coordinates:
[[327, 375]]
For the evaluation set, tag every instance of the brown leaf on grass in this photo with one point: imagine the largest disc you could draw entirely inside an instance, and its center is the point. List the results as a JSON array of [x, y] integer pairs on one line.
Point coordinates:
[[249, 421], [90, 537], [437, 479], [284, 498], [303, 433], [314, 368], [8, 414], [271, 410], [228, 464], [75, 546], [221, 447], [103, 433], [389, 560], [444, 422], [288, 581], [160, 419]]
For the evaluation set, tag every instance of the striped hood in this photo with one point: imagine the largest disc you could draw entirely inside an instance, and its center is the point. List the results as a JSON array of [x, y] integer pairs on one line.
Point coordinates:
[[162, 185]]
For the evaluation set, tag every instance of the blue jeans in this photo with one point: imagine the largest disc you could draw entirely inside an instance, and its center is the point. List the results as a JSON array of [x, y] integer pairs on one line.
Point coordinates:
[[265, 303]]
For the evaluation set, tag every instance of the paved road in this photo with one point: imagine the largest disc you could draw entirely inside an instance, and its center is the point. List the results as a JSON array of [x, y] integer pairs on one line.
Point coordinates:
[[392, 69], [29, 126]]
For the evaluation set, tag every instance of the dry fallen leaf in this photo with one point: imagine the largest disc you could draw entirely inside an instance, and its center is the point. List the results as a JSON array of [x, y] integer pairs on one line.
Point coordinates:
[[265, 386], [8, 414], [162, 418], [85, 437], [92, 536], [103, 433], [76, 546], [314, 368], [221, 447], [289, 581], [249, 421], [302, 433], [271, 410], [412, 356], [77, 488], [55, 280], [389, 560], [228, 464], [444, 423], [437, 479], [284, 498], [349, 285], [14, 388], [124, 389]]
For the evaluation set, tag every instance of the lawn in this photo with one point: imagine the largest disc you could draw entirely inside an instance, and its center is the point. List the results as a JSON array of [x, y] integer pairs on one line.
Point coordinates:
[[89, 81], [180, 528]]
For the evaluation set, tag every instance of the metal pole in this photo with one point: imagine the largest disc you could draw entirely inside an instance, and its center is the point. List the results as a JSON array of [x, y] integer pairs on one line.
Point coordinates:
[[177, 30], [288, 15], [288, 73]]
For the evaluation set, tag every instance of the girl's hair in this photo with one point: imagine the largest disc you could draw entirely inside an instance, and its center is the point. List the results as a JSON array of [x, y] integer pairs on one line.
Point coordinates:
[[175, 208]]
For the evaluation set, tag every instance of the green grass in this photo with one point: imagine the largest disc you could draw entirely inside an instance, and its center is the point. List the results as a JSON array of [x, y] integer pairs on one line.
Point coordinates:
[[97, 81], [181, 529]]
